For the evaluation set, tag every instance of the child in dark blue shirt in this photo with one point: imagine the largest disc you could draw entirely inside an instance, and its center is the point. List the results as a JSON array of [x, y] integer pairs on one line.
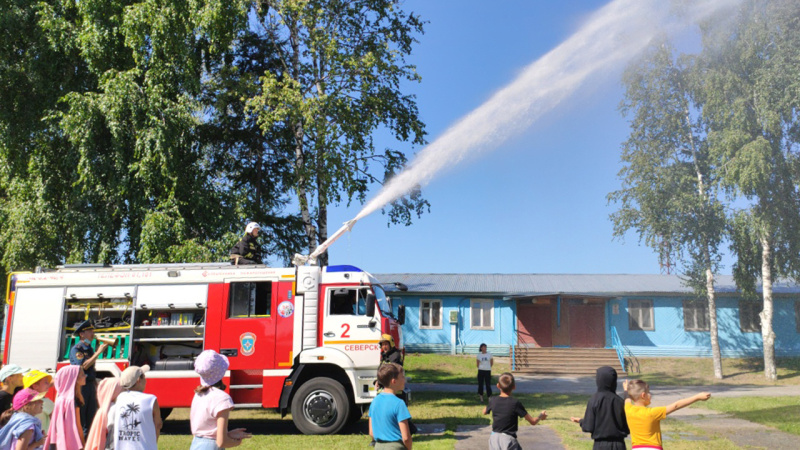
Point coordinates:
[[388, 415]]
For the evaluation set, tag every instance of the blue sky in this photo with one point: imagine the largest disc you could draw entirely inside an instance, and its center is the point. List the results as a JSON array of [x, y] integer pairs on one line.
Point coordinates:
[[537, 204]]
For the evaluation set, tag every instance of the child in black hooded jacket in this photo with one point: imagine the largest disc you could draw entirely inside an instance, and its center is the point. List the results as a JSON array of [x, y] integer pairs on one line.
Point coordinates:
[[605, 413]]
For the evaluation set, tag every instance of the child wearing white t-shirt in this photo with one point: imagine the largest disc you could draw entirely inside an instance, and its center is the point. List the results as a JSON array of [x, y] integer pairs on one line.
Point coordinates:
[[484, 361]]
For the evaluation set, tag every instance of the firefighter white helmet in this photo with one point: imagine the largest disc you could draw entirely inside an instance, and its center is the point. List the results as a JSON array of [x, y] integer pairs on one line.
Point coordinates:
[[252, 226]]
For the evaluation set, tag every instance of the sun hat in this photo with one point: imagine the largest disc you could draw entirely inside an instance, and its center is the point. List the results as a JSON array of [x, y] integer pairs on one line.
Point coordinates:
[[131, 376], [32, 377], [10, 369], [252, 226], [211, 367], [26, 396]]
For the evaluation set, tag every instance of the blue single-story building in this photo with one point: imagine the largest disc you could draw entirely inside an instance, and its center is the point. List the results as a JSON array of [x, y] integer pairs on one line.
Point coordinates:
[[653, 315]]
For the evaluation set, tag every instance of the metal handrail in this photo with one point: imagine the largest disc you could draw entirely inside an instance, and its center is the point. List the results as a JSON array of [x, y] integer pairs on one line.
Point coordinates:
[[617, 343]]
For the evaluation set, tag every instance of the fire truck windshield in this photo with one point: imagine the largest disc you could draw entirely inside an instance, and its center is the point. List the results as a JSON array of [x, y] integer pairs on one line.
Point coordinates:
[[383, 302]]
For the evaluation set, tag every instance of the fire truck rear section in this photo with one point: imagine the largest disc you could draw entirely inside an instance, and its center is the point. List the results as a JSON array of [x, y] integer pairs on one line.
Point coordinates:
[[302, 340]]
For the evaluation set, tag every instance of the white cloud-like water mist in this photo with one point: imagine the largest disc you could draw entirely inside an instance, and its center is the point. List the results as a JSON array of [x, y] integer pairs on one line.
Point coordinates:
[[609, 38]]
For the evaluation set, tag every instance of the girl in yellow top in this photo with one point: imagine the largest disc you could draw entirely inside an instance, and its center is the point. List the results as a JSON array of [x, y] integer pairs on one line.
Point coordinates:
[[645, 422]]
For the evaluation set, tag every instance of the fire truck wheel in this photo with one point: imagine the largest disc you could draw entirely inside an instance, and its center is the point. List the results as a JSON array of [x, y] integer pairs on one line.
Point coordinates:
[[320, 406]]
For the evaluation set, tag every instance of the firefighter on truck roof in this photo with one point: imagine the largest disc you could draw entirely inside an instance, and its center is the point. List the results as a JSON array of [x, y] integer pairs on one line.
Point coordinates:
[[248, 249]]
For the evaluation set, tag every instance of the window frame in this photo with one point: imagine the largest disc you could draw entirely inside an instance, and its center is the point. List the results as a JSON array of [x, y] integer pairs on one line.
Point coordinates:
[[797, 315], [230, 311], [422, 308], [483, 326], [696, 306], [754, 308], [640, 303]]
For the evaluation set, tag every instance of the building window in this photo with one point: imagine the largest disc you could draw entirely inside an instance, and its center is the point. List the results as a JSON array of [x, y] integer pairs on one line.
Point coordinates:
[[695, 315], [797, 315], [640, 315], [749, 321], [430, 314], [482, 314], [251, 299]]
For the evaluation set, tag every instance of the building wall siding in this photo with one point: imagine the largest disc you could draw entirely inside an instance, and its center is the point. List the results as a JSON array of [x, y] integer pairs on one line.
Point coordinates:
[[499, 339], [671, 339]]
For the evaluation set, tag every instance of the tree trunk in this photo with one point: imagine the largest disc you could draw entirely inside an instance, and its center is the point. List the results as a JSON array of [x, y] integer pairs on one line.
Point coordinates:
[[322, 223], [712, 324], [299, 149], [767, 335]]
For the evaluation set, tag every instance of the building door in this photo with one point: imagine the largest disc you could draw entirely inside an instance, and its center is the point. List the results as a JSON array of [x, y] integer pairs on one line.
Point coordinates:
[[534, 324], [587, 325]]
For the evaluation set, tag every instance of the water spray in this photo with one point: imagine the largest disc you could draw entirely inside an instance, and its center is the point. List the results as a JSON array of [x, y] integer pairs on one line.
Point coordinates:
[[608, 40]]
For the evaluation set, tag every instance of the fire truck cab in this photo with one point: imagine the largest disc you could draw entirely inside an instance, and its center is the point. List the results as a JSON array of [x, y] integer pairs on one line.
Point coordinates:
[[302, 340]]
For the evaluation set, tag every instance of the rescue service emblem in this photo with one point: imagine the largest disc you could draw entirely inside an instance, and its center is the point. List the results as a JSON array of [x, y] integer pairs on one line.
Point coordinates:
[[78, 355], [285, 309], [248, 343]]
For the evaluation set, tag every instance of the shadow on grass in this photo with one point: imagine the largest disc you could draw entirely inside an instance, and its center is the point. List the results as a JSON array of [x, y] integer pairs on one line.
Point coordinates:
[[440, 376], [258, 426], [784, 417]]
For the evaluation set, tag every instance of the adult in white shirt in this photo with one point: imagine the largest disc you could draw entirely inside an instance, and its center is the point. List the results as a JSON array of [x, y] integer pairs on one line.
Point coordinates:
[[137, 417], [484, 361]]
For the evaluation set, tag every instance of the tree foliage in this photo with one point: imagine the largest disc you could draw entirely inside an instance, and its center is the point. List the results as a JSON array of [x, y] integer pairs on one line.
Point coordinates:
[[729, 115], [341, 65], [152, 130]]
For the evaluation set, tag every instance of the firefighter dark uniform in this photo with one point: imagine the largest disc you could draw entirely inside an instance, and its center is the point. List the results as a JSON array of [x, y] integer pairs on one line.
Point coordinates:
[[79, 353], [247, 250]]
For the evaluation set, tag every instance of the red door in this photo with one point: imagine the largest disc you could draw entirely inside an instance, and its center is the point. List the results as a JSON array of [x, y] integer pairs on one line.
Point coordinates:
[[587, 325], [535, 324], [241, 324]]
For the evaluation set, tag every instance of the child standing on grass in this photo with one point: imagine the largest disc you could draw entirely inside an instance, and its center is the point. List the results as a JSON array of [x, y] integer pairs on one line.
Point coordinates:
[[388, 415], [605, 413], [645, 422], [484, 361], [505, 410]]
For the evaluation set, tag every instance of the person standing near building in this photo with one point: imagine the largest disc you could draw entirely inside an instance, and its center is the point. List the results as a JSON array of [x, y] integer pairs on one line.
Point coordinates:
[[248, 249], [137, 417], [484, 361], [82, 354]]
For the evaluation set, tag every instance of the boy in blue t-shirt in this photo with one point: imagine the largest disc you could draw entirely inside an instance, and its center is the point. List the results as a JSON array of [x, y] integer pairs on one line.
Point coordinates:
[[388, 415]]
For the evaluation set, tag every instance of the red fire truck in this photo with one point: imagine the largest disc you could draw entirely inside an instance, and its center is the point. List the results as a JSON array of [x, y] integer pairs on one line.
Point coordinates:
[[303, 340]]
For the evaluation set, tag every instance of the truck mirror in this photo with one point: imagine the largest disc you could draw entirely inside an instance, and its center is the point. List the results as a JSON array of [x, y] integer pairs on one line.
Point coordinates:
[[401, 314], [371, 305]]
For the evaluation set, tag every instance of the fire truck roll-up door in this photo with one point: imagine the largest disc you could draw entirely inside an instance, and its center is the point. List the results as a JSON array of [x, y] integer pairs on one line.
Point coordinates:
[[36, 328]]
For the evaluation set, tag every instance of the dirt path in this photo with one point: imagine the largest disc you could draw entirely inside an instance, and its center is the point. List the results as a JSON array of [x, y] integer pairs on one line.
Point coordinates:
[[743, 433]]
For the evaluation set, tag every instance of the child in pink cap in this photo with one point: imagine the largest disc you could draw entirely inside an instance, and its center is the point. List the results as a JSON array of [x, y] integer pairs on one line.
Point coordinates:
[[211, 406], [21, 429]]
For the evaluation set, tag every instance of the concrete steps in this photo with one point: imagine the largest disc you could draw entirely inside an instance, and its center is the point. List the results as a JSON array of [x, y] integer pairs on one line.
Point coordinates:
[[564, 361]]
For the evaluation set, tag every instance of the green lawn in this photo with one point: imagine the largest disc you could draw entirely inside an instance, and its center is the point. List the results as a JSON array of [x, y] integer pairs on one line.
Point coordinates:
[[777, 412], [700, 372], [458, 369]]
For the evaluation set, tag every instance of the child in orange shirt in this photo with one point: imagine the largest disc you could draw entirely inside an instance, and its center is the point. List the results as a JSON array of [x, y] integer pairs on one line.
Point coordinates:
[[644, 422]]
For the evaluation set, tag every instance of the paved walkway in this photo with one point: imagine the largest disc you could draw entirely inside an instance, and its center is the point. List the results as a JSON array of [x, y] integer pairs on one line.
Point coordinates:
[[743, 433], [476, 437]]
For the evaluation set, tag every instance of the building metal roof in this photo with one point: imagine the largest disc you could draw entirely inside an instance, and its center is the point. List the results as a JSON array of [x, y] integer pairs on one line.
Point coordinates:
[[602, 285]]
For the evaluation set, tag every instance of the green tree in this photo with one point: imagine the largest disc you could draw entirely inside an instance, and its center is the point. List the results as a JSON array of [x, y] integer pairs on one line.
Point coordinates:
[[341, 64], [670, 193], [750, 103]]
